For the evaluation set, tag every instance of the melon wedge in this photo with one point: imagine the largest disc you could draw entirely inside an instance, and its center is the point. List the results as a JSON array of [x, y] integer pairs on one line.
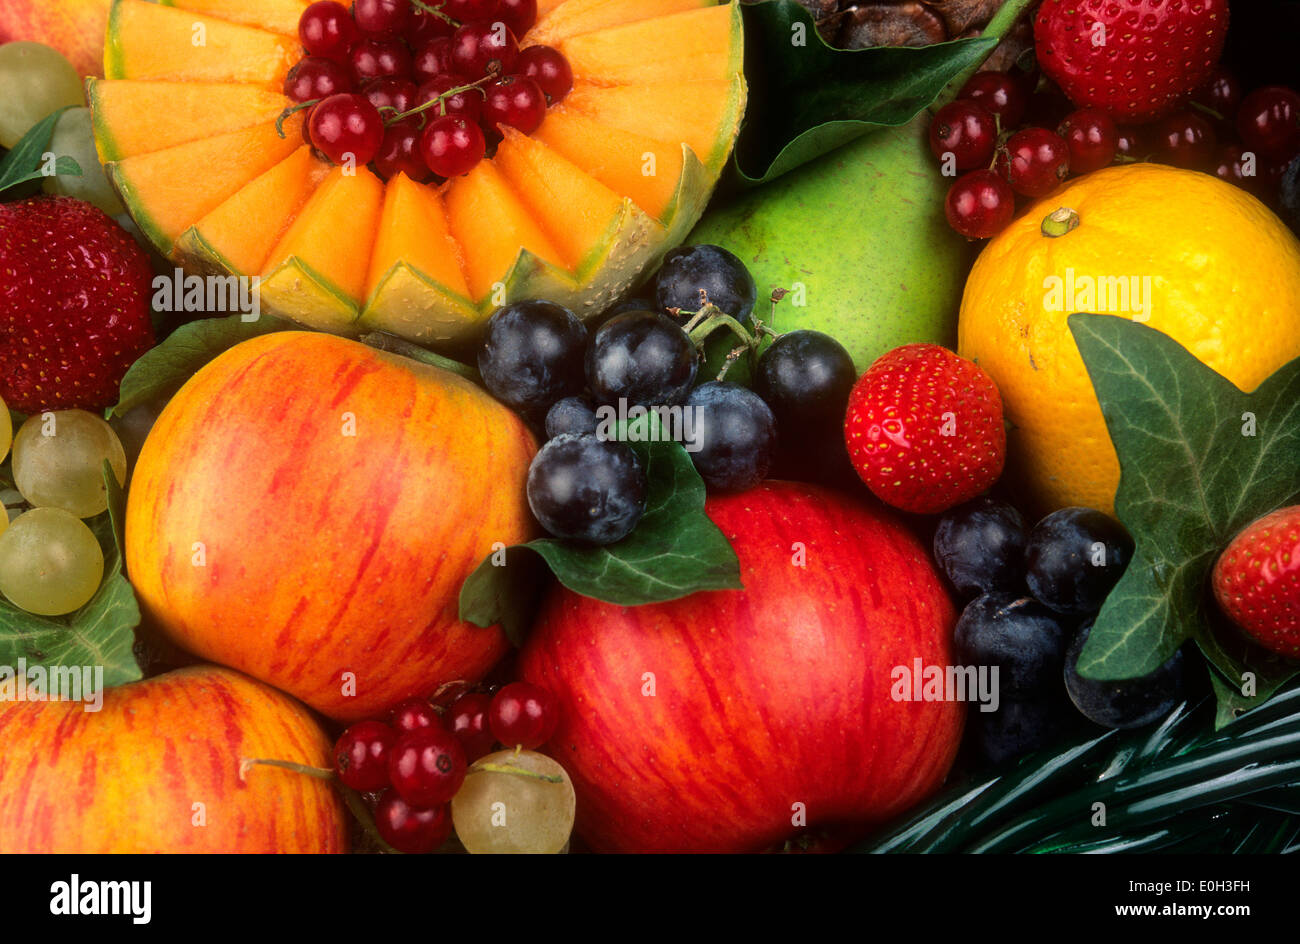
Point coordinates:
[[148, 41], [171, 189], [417, 286], [317, 273], [586, 16], [238, 236], [279, 16], [701, 43], [126, 113]]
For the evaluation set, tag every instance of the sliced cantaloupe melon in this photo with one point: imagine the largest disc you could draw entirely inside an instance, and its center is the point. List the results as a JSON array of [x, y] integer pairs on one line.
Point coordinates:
[[238, 236], [586, 16], [546, 6], [701, 43], [417, 286], [148, 41], [126, 113], [279, 16], [317, 273], [171, 189], [715, 107]]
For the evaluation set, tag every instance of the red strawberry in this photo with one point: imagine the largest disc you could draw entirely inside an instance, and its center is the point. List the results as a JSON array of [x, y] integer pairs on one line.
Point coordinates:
[[1139, 59], [1257, 581], [74, 305], [924, 429]]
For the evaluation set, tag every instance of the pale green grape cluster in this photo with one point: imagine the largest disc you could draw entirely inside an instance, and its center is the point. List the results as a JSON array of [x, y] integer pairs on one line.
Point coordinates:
[[514, 802], [6, 430], [36, 80], [73, 138], [50, 562], [59, 459]]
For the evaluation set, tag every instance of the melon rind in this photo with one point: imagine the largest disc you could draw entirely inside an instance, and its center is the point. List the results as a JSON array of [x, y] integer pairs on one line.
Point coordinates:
[[296, 291]]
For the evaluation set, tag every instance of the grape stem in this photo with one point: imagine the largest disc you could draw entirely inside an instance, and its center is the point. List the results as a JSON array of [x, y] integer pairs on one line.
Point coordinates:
[[515, 771]]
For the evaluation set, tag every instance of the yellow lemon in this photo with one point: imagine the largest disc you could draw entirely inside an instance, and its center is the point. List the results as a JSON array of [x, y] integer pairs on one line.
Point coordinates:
[[1194, 257]]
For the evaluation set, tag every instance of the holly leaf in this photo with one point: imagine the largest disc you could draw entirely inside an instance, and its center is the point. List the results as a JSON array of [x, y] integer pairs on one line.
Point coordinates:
[[23, 163], [1199, 460], [807, 98], [674, 551]]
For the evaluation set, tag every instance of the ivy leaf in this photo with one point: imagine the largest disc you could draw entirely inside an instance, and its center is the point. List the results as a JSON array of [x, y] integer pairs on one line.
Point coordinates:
[[101, 633], [808, 98], [23, 163], [1199, 461], [674, 551]]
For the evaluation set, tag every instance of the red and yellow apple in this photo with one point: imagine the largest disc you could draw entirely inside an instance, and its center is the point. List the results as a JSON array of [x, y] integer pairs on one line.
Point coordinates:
[[74, 27], [158, 769], [306, 509], [725, 721]]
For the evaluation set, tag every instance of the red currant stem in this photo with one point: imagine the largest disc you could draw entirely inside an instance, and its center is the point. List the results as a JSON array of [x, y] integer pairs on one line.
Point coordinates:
[[400, 116], [279, 122], [514, 771], [320, 773], [357, 806], [998, 27], [1206, 110], [436, 11], [445, 687]]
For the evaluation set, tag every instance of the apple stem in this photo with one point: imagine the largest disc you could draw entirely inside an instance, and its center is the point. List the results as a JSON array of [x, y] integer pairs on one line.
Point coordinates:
[[320, 773], [515, 771]]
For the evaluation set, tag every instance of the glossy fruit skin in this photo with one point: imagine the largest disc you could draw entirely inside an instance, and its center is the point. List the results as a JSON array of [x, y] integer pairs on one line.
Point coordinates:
[[414, 714], [689, 270], [643, 357], [571, 415], [1256, 581], [523, 715], [1151, 56], [735, 436], [316, 77], [432, 60], [924, 429], [730, 698], [162, 743], [425, 437], [1184, 139], [480, 48], [1131, 142], [426, 27], [519, 15], [980, 547], [468, 105], [452, 145], [381, 17], [427, 766], [467, 718], [399, 152], [1016, 633], [515, 101], [1074, 557], [1090, 135], [1230, 166], [347, 127], [967, 131], [380, 59], [397, 94], [1269, 122], [584, 488], [76, 290], [1221, 93], [327, 29], [547, 67], [805, 378], [980, 204], [1126, 703], [999, 94], [409, 829], [532, 356], [361, 755], [466, 10], [1034, 161]]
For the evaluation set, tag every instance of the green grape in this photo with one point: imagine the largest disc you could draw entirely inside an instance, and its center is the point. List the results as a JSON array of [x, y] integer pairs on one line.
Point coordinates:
[[36, 80], [6, 430], [73, 138], [498, 811], [59, 458], [50, 562]]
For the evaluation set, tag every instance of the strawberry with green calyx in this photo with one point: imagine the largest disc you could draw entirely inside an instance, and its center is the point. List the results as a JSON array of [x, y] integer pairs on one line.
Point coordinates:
[[1257, 581]]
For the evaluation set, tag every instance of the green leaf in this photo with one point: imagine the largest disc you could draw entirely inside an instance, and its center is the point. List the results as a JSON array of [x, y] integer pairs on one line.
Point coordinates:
[[163, 370], [674, 551], [23, 163], [101, 633], [1194, 471], [809, 98]]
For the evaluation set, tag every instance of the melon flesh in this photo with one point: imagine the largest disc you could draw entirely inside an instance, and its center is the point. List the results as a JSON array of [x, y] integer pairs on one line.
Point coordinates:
[[696, 44], [586, 16], [126, 113], [279, 16]]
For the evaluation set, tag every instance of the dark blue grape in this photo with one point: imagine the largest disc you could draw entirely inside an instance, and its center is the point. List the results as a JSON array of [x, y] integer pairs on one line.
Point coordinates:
[[587, 489], [980, 546], [642, 357], [806, 377], [1074, 557], [734, 435], [570, 415], [532, 355], [1020, 636], [1124, 703], [718, 273], [1017, 728]]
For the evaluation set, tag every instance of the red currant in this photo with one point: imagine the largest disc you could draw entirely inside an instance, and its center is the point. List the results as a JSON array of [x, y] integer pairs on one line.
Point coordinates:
[[398, 94], [432, 59], [471, 10], [316, 77], [409, 829], [980, 204], [381, 17], [361, 755], [515, 101], [1269, 122], [452, 145], [414, 713], [547, 67], [523, 715], [999, 94], [344, 125], [965, 130], [399, 152], [326, 28], [1234, 167], [480, 48], [426, 27], [427, 766], [467, 104], [1184, 139], [519, 15], [381, 58], [1221, 93], [467, 718], [1034, 161], [1090, 134], [1131, 143]]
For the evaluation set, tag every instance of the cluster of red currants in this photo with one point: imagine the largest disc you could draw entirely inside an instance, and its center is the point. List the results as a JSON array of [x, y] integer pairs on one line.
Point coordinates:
[[979, 137], [421, 88], [413, 763]]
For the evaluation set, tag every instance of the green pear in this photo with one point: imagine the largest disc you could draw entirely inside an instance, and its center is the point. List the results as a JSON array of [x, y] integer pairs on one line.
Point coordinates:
[[860, 240]]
